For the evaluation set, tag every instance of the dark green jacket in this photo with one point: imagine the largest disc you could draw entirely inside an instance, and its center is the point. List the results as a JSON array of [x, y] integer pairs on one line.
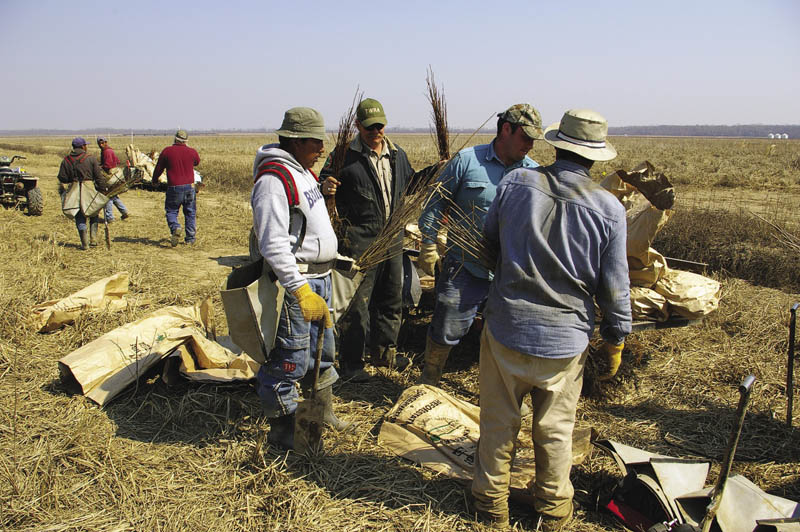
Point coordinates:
[[359, 200], [80, 166]]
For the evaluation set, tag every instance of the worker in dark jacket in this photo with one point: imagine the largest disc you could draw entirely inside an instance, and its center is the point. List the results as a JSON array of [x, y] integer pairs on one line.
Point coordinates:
[[82, 172], [179, 161], [367, 190]]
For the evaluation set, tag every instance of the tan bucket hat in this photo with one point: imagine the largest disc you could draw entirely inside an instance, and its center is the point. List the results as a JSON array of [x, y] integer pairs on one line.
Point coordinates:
[[302, 123], [582, 131]]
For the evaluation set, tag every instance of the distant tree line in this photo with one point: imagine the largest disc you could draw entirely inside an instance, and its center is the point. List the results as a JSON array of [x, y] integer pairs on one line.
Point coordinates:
[[743, 130]]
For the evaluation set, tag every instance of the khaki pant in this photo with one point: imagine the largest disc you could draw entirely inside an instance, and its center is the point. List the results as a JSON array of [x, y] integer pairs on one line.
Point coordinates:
[[555, 384]]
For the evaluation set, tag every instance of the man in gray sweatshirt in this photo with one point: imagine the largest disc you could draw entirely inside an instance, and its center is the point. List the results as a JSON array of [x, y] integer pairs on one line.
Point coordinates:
[[298, 243]]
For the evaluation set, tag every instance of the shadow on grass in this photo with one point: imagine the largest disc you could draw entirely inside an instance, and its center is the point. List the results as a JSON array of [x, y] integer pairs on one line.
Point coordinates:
[[232, 261], [161, 243]]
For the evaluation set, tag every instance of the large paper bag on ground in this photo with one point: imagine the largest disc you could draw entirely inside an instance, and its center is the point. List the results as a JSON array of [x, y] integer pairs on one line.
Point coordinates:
[[689, 294], [104, 367], [648, 304], [440, 432], [106, 294]]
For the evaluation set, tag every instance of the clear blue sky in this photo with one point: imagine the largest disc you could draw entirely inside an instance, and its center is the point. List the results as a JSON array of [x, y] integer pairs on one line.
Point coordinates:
[[241, 64]]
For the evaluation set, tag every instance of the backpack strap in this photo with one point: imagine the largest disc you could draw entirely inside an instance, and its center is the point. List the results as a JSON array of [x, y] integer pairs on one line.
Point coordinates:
[[282, 173], [72, 161], [289, 185]]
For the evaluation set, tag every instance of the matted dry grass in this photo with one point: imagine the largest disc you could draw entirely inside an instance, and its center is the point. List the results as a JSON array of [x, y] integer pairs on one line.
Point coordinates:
[[193, 457]]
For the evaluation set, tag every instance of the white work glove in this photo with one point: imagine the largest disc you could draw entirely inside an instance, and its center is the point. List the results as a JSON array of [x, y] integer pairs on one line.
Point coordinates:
[[428, 257]]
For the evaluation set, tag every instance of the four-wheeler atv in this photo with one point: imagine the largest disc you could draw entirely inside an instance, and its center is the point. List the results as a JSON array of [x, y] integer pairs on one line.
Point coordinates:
[[19, 188]]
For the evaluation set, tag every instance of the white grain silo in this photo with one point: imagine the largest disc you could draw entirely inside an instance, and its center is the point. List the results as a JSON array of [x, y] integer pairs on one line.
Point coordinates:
[[785, 136], [772, 135]]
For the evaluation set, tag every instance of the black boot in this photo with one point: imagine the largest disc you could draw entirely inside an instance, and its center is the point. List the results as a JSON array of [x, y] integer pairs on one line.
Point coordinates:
[[281, 431], [325, 396], [84, 239]]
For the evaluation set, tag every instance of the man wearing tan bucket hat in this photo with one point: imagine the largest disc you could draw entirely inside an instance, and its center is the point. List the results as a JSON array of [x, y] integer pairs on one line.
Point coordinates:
[[561, 247], [298, 244]]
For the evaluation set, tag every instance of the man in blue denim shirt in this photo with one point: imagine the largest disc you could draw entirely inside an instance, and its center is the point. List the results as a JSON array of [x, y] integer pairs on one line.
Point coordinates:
[[560, 239], [470, 181]]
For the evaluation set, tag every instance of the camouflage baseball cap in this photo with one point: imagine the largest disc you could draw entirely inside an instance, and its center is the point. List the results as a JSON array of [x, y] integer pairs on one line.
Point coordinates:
[[302, 123], [526, 116], [370, 112], [181, 135]]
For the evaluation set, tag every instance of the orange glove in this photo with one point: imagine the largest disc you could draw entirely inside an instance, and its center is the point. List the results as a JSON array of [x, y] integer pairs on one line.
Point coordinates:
[[613, 355], [314, 308]]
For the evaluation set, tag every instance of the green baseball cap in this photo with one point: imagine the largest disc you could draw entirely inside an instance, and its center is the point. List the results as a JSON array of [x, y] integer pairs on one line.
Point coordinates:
[[302, 123], [370, 112], [526, 116]]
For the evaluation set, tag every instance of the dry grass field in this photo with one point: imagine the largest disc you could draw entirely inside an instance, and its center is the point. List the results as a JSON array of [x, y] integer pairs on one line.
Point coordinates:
[[191, 457]]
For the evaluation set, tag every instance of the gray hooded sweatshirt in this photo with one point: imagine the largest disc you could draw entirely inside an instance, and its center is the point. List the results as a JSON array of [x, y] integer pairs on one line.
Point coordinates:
[[271, 217]]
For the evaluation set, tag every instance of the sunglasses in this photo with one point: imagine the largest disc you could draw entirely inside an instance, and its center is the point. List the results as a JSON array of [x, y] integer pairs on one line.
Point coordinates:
[[375, 127]]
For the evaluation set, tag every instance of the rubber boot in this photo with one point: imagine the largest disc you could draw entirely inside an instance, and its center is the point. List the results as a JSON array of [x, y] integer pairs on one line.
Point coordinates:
[[281, 431], [435, 358], [93, 234], [388, 358], [84, 238], [325, 395]]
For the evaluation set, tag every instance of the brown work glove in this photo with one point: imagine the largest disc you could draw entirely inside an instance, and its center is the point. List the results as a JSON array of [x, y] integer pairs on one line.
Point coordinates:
[[613, 356], [314, 308], [428, 257]]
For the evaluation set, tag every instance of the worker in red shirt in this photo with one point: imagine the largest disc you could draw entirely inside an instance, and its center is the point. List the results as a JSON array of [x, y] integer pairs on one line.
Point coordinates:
[[179, 161], [109, 162]]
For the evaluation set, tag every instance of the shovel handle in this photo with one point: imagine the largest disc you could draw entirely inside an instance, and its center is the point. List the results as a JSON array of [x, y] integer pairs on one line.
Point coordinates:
[[318, 356], [716, 497], [790, 365]]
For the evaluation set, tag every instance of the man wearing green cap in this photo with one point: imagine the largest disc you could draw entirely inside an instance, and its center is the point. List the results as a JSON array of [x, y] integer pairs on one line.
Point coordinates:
[[297, 242], [470, 181], [375, 174], [561, 243]]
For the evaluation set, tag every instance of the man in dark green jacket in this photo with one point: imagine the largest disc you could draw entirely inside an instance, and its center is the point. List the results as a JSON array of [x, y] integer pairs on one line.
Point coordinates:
[[367, 190], [80, 169]]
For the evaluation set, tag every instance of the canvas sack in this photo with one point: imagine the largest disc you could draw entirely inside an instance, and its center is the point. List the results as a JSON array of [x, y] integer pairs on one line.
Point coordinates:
[[252, 299]]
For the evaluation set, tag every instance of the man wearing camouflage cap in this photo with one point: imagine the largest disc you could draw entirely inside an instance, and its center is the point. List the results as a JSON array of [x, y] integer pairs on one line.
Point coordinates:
[[561, 248], [470, 181]]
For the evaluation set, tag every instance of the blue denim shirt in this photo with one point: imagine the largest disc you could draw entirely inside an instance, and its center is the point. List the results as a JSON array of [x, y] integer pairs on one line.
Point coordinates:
[[561, 240], [471, 179]]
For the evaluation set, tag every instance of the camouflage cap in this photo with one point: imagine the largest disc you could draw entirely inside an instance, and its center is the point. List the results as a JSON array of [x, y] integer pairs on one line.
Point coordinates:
[[370, 112], [181, 136], [302, 123], [526, 116]]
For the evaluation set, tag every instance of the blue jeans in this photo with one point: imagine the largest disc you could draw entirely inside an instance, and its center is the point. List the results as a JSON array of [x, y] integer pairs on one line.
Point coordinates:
[[459, 296], [80, 220], [109, 213], [292, 358], [177, 197]]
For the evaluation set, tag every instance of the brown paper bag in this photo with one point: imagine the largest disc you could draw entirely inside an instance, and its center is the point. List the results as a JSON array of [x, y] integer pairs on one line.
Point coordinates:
[[105, 294], [647, 304], [103, 368], [440, 432], [689, 294]]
